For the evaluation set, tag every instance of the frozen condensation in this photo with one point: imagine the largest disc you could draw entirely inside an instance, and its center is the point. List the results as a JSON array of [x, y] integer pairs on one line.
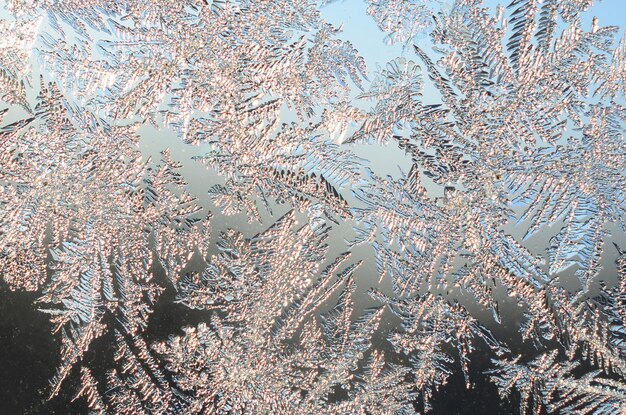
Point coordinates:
[[317, 282]]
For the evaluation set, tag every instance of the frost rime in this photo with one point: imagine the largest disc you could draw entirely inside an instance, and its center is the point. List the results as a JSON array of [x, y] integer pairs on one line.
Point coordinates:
[[514, 201]]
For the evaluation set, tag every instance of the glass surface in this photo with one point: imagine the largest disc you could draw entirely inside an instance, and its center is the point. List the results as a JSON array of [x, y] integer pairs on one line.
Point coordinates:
[[312, 207]]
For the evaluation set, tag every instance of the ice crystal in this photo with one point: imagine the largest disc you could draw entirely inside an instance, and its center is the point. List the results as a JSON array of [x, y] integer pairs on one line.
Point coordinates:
[[360, 292], [546, 382], [430, 324], [83, 194], [266, 349], [403, 20]]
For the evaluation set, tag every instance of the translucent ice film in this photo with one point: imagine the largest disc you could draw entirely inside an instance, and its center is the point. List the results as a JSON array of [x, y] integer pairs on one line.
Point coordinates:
[[312, 207]]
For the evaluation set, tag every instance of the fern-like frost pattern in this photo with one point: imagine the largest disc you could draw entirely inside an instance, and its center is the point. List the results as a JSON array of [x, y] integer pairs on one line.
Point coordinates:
[[202, 163]]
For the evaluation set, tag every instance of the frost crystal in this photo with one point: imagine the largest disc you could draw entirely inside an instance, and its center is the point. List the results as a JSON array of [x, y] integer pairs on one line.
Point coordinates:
[[183, 186], [403, 20]]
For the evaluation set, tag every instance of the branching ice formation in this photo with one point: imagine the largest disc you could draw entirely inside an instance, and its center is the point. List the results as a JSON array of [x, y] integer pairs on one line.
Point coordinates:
[[512, 121]]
